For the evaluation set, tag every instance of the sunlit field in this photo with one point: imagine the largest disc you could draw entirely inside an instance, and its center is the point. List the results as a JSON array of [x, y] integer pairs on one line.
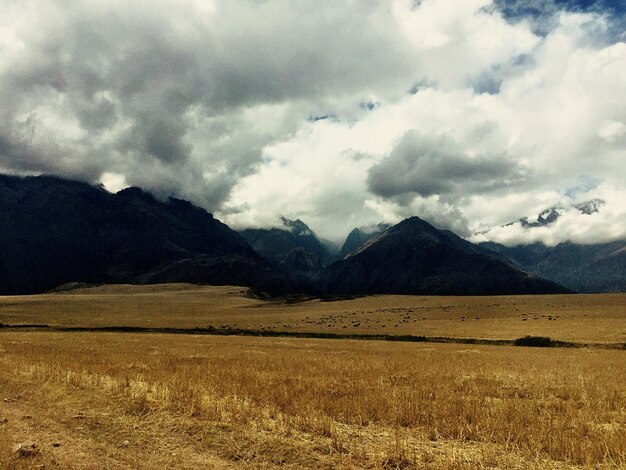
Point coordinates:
[[127, 400]]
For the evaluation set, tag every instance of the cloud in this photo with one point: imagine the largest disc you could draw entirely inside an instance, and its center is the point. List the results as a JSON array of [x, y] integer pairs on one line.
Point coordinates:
[[438, 165], [437, 108], [466, 159], [143, 89], [606, 225]]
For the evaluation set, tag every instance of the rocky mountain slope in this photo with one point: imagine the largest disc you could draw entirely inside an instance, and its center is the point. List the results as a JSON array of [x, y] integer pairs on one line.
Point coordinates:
[[414, 257]]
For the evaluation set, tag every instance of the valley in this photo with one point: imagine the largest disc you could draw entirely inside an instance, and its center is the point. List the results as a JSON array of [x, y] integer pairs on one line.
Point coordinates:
[[261, 234]]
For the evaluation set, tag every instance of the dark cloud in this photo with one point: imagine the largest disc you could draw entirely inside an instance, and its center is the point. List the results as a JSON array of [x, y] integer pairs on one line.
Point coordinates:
[[436, 165], [164, 139], [487, 82], [141, 86], [12, 151]]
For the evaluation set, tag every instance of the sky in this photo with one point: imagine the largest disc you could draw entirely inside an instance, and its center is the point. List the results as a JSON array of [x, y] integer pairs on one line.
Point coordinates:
[[469, 114]]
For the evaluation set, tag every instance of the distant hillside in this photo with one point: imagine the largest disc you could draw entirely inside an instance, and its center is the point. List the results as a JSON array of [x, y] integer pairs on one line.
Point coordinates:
[[294, 247], [414, 257], [55, 231], [581, 268], [359, 236]]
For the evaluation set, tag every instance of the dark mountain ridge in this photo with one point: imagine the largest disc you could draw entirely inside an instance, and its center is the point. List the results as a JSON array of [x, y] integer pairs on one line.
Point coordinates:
[[414, 257], [55, 231]]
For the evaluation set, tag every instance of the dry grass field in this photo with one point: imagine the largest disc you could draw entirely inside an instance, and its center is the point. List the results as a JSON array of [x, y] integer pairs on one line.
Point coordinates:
[[125, 400], [103, 400], [578, 318]]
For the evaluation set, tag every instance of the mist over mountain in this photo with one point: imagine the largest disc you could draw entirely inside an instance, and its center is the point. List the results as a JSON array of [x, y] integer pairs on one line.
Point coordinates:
[[581, 267], [593, 221], [551, 215]]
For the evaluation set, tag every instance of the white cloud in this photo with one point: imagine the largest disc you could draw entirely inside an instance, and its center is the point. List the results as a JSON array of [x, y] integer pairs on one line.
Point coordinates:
[[558, 114], [606, 225], [455, 41], [113, 182], [611, 131]]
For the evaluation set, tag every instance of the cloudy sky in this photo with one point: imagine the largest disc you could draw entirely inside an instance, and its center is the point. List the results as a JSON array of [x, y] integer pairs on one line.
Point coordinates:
[[467, 113]]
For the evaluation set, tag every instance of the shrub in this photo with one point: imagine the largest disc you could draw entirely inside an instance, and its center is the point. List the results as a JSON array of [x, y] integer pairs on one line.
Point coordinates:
[[535, 341]]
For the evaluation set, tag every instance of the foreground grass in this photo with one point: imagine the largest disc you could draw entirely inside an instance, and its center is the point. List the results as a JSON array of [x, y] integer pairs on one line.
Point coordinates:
[[156, 401]]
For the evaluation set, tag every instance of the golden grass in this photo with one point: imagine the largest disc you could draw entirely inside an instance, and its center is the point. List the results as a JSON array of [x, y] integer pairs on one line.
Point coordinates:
[[105, 400], [184, 401], [578, 318]]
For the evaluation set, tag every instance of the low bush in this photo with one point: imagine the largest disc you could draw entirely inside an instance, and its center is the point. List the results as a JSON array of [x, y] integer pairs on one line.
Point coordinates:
[[535, 341]]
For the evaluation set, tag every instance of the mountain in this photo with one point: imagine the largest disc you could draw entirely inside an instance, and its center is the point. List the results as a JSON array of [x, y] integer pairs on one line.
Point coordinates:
[[581, 268], [293, 247], [359, 236], [414, 257], [550, 215], [54, 231]]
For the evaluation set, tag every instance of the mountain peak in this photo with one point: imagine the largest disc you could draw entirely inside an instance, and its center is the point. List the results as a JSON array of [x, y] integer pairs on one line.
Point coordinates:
[[359, 236], [293, 246], [589, 207], [413, 257], [133, 192], [550, 215], [297, 227]]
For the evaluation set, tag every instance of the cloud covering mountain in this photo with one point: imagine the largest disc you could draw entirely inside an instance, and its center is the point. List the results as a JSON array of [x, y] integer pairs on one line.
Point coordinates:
[[469, 114]]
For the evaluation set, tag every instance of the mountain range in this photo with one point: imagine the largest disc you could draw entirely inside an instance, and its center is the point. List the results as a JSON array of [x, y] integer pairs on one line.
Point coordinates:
[[57, 231], [293, 247], [599, 267], [413, 257], [549, 216], [582, 268]]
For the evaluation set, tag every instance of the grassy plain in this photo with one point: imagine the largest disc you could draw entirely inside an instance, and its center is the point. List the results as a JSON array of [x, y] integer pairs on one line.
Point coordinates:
[[124, 400], [579, 318]]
